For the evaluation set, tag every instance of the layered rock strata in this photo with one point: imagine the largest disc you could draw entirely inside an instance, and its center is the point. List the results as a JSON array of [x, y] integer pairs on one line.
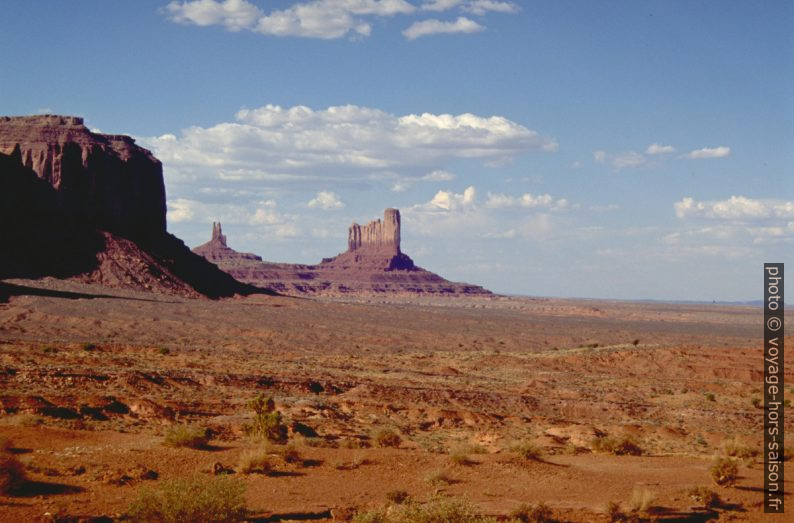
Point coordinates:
[[372, 264]]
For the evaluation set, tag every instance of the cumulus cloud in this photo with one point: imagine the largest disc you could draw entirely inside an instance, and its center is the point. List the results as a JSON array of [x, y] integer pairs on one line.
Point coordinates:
[[313, 19], [737, 208], [625, 160], [450, 201], [527, 200], [433, 26], [277, 146], [709, 152], [656, 148], [326, 200], [258, 214]]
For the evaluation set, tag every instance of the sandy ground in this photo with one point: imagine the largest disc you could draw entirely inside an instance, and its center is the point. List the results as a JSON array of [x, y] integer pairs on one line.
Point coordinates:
[[92, 378]]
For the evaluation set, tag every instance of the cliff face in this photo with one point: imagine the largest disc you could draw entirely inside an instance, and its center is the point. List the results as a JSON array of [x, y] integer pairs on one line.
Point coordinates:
[[377, 237], [76, 204], [104, 180]]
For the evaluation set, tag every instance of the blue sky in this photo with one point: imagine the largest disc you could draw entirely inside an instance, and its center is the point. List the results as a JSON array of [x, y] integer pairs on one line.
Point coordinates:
[[617, 149]]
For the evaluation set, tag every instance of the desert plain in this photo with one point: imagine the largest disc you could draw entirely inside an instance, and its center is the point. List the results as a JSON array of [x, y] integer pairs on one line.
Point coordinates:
[[497, 401]]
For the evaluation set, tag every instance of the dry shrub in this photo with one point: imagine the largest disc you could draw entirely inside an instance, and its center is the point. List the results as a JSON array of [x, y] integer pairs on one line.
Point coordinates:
[[397, 497], [527, 450], [387, 438], [724, 472], [734, 448], [705, 497], [187, 436], [619, 446], [194, 499], [438, 510], [255, 462], [439, 477], [540, 513], [641, 499]]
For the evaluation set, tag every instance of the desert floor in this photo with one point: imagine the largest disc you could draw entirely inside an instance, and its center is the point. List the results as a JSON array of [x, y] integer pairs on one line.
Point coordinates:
[[92, 378]]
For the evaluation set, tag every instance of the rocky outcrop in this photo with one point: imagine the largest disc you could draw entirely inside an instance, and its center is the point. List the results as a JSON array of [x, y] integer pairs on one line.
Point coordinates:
[[104, 180], [76, 204], [377, 237], [372, 264]]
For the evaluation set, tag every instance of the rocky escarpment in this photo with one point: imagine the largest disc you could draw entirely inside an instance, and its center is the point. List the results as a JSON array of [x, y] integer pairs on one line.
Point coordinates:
[[77, 204], [105, 180], [372, 264]]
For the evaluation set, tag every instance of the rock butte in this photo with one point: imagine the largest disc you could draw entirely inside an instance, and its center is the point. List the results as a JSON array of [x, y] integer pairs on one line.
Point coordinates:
[[91, 207], [372, 264]]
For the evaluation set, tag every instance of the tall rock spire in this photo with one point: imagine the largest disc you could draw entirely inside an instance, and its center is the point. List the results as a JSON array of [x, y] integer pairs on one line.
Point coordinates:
[[217, 234], [376, 237]]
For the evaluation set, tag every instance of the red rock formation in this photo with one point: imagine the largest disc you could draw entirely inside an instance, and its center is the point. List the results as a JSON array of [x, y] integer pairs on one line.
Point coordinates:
[[103, 179], [373, 264], [92, 207]]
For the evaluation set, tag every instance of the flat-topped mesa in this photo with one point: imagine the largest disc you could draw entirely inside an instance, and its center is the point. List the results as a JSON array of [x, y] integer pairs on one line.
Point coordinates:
[[377, 237], [106, 180]]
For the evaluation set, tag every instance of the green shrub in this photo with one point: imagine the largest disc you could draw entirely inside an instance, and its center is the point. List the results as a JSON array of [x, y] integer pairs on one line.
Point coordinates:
[[255, 462], [267, 420], [12, 473], [539, 513], [724, 472], [387, 438], [705, 497], [187, 436], [527, 450], [194, 499], [619, 446]]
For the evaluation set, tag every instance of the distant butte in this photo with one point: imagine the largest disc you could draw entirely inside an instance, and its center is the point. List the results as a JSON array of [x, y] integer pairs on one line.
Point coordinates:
[[372, 264]]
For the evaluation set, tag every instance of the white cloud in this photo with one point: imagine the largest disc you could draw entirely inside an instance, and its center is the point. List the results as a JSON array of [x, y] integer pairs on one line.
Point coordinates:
[[326, 200], [313, 19], [438, 175], [480, 7], [656, 148], [449, 201], [625, 160], [257, 214], [709, 152], [433, 26], [440, 5], [737, 208], [349, 143], [527, 200]]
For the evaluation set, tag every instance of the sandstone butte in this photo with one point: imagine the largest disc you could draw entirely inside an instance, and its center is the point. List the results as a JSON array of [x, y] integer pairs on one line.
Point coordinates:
[[372, 264], [89, 206]]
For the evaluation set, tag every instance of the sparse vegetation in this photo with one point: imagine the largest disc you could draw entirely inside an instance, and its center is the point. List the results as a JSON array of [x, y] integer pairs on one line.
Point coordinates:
[[705, 497], [526, 513], [195, 499], [387, 438], [724, 472], [88, 347], [460, 457], [439, 477], [397, 497], [710, 396], [527, 451], [187, 436], [757, 403], [12, 472], [734, 448], [619, 446], [267, 421], [641, 499], [164, 351], [615, 513], [438, 510], [255, 462]]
